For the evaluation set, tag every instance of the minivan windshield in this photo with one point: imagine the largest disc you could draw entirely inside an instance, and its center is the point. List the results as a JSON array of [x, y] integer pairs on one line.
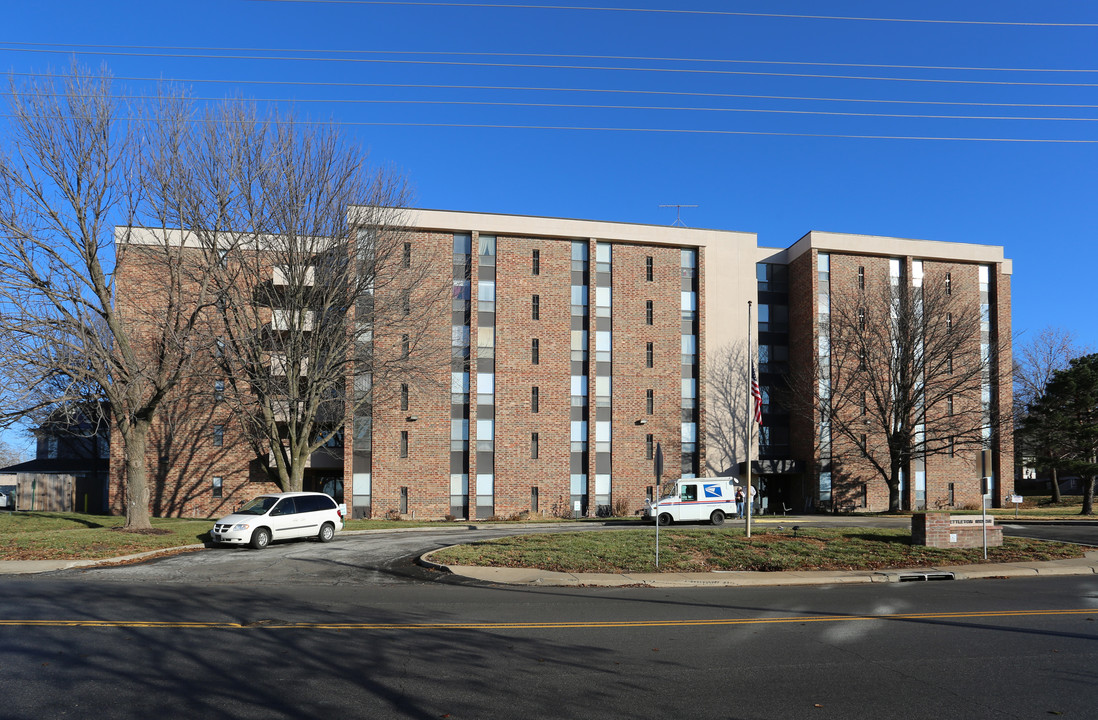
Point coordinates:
[[258, 506]]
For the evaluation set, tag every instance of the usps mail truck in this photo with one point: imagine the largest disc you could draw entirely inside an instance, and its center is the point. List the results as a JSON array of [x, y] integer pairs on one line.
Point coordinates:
[[696, 499]]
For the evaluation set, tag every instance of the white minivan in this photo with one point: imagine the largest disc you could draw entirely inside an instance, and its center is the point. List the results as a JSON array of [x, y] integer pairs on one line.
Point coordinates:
[[696, 499], [279, 517]]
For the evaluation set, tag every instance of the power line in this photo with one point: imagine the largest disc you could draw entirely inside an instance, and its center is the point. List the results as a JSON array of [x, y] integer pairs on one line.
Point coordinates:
[[535, 88], [592, 106], [532, 66], [686, 131], [641, 58], [727, 13]]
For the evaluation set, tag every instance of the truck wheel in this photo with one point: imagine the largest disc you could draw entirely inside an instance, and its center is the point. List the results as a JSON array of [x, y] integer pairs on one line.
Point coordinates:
[[665, 519], [717, 518]]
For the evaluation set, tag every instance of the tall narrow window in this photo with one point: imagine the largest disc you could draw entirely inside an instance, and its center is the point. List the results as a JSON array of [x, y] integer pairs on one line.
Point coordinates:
[[865, 452], [648, 359], [861, 277], [218, 483], [219, 390], [403, 396], [535, 307], [535, 260], [533, 446], [405, 346], [649, 446], [535, 351], [949, 283], [949, 405], [650, 401], [648, 268], [949, 363], [951, 447], [407, 303], [218, 435], [861, 318], [535, 399], [404, 443], [407, 254], [648, 312], [949, 322]]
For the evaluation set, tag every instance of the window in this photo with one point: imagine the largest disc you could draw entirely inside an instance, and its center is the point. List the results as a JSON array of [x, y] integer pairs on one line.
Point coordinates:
[[649, 446], [405, 346], [949, 283], [648, 268], [689, 493], [861, 277], [951, 447], [650, 401], [861, 318], [647, 312], [648, 359], [219, 435], [865, 406], [219, 390], [949, 405], [407, 254], [407, 303], [535, 398], [862, 445], [533, 446], [403, 396], [949, 322], [535, 307], [949, 363], [535, 351], [217, 486], [535, 268], [404, 443]]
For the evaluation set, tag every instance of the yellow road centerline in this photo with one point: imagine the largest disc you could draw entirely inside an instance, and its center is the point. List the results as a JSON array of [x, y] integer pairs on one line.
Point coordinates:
[[273, 625]]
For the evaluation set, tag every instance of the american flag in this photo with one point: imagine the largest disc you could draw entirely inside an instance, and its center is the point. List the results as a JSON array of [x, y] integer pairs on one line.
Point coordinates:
[[756, 395]]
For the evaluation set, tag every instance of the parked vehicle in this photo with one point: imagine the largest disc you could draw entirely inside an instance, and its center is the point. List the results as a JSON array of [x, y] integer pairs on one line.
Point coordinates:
[[711, 499], [280, 516]]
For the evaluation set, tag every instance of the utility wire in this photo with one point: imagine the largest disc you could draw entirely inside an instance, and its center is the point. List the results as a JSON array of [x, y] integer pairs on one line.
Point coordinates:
[[585, 106], [687, 131], [534, 88], [512, 6], [639, 58], [531, 66]]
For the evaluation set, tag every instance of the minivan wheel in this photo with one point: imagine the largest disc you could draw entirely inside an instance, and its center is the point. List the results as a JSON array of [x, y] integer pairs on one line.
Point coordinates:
[[261, 538], [665, 519], [717, 518], [327, 532]]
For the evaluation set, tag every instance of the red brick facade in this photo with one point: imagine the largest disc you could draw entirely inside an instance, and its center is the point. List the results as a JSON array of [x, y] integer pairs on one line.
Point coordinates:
[[184, 459]]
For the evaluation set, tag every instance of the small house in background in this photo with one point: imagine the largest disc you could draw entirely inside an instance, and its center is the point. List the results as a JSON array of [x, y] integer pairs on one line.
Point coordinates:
[[71, 467]]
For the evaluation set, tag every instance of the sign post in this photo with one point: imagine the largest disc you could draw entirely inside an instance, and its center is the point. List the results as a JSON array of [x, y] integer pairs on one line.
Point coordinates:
[[658, 466]]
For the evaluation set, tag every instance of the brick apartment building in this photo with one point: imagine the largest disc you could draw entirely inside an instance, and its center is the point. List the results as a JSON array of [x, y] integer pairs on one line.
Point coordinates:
[[577, 349]]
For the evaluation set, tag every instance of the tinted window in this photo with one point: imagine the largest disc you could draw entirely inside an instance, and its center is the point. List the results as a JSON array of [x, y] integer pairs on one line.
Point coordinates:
[[286, 507], [313, 503]]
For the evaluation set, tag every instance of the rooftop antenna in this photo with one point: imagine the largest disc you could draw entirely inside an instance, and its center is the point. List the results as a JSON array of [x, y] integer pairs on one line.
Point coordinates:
[[678, 213]]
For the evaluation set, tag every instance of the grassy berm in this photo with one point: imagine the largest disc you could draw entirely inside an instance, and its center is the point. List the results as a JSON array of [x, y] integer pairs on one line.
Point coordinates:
[[75, 536], [703, 550]]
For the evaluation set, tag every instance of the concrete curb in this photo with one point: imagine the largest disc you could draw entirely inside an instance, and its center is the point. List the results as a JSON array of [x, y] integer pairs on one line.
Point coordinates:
[[1087, 565], [31, 567]]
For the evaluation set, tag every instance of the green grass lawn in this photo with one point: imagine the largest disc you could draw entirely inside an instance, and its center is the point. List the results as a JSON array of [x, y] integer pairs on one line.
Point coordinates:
[[704, 550], [75, 536]]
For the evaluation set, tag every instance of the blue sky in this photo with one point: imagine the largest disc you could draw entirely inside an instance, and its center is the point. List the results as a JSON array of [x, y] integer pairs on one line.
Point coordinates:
[[487, 135]]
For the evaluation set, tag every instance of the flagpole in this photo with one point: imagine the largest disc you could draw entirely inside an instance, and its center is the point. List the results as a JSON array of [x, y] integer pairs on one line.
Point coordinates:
[[750, 418]]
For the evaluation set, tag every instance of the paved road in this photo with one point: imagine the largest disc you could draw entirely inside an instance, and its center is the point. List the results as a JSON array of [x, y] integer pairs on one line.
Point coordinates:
[[112, 644]]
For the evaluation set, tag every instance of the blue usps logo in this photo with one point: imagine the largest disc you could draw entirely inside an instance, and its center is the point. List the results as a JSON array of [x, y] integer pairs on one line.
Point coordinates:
[[712, 491]]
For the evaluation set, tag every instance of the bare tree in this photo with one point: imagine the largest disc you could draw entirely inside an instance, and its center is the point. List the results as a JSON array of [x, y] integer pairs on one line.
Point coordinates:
[[80, 169], [905, 379], [322, 307]]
